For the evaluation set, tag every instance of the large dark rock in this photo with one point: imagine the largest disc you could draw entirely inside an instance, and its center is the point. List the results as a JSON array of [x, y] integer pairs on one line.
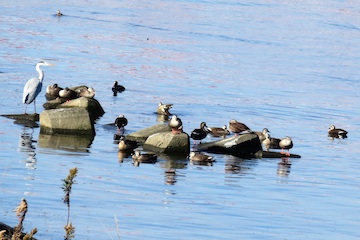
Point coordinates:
[[243, 145]]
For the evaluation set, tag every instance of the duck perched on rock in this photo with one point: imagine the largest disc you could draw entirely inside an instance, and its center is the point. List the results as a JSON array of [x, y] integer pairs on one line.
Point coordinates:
[[144, 157], [52, 91], [286, 144], [199, 133], [262, 134], [337, 132], [163, 109], [218, 132], [200, 158], [87, 92], [120, 122], [237, 127], [176, 124], [117, 88], [270, 142], [68, 94]]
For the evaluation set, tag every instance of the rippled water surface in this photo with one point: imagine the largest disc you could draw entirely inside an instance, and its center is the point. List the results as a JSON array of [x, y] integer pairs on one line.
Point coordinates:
[[290, 66]]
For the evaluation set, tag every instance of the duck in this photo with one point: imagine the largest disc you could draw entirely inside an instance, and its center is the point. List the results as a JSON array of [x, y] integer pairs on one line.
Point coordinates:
[[199, 133], [286, 144], [144, 157], [163, 109], [117, 88], [200, 158], [271, 142], [120, 122], [52, 91], [58, 13], [218, 131], [237, 127], [337, 132], [87, 92], [126, 145], [176, 124], [67, 93], [262, 134]]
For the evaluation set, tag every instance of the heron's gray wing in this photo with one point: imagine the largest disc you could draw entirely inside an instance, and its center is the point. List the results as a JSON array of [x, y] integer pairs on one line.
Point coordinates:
[[30, 90]]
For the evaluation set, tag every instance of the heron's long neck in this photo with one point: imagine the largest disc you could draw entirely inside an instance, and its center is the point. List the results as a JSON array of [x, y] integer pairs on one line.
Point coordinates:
[[41, 73]]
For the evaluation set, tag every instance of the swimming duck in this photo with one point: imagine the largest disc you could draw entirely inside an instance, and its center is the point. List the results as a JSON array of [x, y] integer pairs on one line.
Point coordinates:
[[286, 143], [199, 133], [87, 92], [52, 91], [176, 124], [200, 158], [218, 132], [126, 145], [120, 123], [237, 127], [262, 134], [68, 93], [271, 142], [163, 109], [337, 132], [144, 157], [117, 88], [58, 13]]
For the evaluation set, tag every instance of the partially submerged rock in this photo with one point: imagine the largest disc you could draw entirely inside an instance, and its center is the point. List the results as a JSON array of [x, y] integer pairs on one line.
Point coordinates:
[[141, 135], [270, 154], [244, 145], [23, 117], [66, 121], [27, 120], [168, 143]]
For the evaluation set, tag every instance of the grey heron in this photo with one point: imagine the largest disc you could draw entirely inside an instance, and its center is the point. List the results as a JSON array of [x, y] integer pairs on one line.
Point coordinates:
[[33, 86]]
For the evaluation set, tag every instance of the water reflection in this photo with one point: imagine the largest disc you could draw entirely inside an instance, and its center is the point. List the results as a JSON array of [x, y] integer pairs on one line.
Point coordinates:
[[71, 143], [284, 167], [26, 144], [170, 176], [123, 154]]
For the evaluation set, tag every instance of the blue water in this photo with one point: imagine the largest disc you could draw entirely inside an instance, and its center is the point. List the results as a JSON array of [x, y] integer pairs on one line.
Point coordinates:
[[290, 66]]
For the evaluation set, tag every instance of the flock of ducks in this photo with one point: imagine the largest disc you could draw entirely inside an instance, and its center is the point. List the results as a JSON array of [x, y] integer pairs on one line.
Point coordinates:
[[198, 134], [34, 85], [54, 91]]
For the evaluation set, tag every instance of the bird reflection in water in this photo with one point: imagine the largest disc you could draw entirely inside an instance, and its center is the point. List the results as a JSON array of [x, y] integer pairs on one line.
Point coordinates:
[[233, 165], [284, 167], [26, 145], [170, 176]]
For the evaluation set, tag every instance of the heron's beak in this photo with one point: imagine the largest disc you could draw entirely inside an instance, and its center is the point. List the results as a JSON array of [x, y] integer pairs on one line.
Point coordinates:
[[51, 64]]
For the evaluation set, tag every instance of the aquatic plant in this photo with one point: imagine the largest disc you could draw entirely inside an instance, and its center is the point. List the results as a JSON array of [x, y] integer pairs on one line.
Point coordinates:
[[67, 186], [21, 211]]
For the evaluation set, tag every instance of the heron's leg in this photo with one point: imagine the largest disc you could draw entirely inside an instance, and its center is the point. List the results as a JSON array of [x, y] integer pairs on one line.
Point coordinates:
[[34, 106]]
